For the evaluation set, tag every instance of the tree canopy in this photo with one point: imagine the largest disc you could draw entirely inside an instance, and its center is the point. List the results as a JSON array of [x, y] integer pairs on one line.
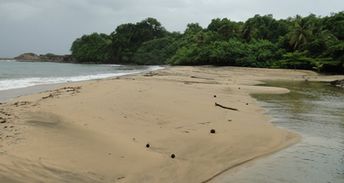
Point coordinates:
[[310, 42]]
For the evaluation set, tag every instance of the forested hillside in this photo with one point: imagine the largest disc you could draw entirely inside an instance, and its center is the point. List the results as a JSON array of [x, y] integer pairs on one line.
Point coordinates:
[[310, 42]]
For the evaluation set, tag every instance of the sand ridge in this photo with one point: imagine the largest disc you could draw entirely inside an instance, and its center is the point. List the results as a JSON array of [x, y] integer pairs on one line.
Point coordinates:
[[97, 131]]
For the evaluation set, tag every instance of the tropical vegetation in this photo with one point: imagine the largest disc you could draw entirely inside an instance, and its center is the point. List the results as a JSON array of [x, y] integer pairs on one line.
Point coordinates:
[[310, 42]]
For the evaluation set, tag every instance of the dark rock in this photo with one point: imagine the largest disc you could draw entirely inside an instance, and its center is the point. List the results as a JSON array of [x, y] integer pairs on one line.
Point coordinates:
[[212, 131], [28, 56], [338, 83], [148, 145], [214, 96], [173, 156], [44, 58]]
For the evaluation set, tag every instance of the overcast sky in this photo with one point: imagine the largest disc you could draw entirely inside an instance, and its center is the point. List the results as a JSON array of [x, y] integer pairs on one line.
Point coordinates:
[[43, 26]]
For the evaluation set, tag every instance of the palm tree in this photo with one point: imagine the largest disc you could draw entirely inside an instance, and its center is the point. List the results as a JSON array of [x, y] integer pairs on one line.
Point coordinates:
[[300, 33]]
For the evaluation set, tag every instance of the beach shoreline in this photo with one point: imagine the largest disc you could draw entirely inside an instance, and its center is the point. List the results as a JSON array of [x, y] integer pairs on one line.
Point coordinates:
[[12, 94], [93, 131]]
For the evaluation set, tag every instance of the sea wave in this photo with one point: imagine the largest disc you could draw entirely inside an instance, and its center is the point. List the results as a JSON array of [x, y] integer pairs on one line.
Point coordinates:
[[9, 84], [7, 60]]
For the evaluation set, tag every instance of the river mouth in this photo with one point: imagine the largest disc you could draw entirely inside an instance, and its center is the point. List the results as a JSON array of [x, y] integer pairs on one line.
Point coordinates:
[[316, 112]]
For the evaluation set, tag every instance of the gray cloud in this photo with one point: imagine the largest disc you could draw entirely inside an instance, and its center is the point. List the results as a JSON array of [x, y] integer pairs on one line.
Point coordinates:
[[44, 26]]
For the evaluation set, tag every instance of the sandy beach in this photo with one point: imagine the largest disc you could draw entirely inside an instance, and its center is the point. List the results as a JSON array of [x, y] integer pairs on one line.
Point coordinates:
[[98, 131]]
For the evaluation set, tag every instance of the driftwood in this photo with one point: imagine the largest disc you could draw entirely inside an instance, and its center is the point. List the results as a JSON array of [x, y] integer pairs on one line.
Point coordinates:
[[196, 77], [224, 107]]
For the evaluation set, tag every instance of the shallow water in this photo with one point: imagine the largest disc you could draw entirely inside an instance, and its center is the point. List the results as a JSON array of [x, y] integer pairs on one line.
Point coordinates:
[[14, 75], [26, 78], [316, 112]]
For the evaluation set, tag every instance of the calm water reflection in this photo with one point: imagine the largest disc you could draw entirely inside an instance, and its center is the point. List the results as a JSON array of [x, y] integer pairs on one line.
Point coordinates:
[[314, 110]]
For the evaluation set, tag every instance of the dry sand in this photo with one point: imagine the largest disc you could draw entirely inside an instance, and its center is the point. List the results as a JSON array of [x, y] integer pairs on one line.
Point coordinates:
[[97, 131]]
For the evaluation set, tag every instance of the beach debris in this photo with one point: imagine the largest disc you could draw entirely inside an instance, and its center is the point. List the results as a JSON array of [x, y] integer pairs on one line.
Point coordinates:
[[305, 78], [224, 107], [212, 131], [205, 123], [173, 156], [150, 74], [338, 83], [200, 82], [4, 113], [120, 178], [147, 145], [197, 77], [69, 89], [246, 103], [49, 96], [21, 103], [215, 96]]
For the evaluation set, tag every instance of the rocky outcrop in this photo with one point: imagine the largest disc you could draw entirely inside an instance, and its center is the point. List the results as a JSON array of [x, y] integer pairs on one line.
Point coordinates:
[[27, 56], [338, 83], [44, 58], [56, 58]]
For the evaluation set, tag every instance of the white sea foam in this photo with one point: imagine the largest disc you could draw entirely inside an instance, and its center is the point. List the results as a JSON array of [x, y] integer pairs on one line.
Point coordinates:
[[155, 68], [7, 60], [27, 82]]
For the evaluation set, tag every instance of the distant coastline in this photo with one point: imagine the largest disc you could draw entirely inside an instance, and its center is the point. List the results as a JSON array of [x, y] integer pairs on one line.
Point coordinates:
[[44, 57], [6, 59]]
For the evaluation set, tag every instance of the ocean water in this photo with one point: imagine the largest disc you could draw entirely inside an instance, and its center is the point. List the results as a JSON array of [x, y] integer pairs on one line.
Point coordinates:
[[15, 75], [316, 112]]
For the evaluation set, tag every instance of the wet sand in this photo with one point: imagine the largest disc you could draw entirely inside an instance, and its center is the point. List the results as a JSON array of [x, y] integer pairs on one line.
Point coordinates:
[[315, 111], [97, 131], [7, 95]]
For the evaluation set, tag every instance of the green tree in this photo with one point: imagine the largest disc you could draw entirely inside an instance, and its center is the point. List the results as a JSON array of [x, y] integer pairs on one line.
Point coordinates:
[[335, 24], [92, 48], [225, 28], [193, 28], [127, 38], [261, 53], [300, 33], [310, 42], [263, 27], [156, 51]]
